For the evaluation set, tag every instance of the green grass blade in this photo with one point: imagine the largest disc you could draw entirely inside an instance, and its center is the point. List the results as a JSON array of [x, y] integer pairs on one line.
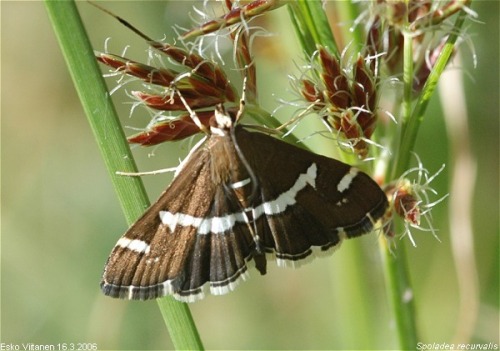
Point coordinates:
[[97, 104], [312, 27], [109, 135]]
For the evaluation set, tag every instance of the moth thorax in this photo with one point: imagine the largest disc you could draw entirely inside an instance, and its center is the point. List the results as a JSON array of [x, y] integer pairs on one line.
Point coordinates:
[[227, 169], [223, 159]]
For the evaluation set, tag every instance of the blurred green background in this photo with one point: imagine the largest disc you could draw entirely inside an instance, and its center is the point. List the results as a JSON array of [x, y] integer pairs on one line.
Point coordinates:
[[60, 217]]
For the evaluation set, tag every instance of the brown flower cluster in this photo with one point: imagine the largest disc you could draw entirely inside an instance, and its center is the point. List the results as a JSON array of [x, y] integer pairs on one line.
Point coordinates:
[[410, 201], [346, 102], [203, 84], [346, 97]]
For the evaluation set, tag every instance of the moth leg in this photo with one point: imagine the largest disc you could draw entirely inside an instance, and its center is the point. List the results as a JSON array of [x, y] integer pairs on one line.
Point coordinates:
[[139, 174], [258, 254], [192, 114]]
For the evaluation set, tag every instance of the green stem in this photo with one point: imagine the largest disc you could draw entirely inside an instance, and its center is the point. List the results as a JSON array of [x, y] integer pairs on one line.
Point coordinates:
[[410, 125], [407, 77], [400, 294], [396, 267], [112, 143], [396, 274]]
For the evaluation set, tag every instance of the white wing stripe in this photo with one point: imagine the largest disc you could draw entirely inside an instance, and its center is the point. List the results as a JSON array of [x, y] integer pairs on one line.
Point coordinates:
[[218, 225]]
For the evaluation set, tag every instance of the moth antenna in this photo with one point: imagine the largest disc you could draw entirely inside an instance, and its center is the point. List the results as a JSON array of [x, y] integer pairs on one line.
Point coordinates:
[[244, 161], [241, 109], [253, 177], [252, 227], [155, 172]]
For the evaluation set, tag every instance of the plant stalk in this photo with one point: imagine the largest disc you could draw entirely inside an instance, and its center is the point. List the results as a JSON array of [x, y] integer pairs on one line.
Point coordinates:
[[113, 145]]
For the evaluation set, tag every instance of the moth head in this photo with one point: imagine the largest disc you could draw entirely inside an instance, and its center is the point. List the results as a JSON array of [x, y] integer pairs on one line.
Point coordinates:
[[222, 121]]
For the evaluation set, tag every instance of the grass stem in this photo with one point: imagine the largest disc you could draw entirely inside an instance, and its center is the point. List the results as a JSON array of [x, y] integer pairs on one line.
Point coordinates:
[[113, 145]]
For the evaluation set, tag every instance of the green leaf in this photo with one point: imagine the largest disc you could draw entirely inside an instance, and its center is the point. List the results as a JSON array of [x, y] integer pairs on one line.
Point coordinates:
[[312, 26]]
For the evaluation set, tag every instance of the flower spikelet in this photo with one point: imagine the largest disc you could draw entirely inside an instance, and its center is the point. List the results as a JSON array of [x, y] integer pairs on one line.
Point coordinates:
[[410, 200], [345, 99], [193, 81], [235, 15]]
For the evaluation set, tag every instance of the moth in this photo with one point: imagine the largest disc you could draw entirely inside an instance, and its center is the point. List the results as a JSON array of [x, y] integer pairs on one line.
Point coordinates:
[[240, 196]]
